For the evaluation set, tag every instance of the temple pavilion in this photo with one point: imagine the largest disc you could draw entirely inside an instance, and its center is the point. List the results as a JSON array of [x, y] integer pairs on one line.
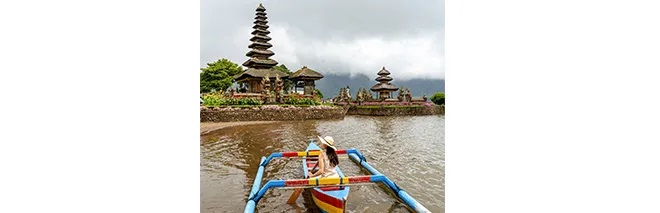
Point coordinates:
[[384, 88], [259, 64], [304, 78]]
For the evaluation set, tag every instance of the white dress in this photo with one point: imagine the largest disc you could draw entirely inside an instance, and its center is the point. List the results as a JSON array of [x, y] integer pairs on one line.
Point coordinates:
[[330, 171]]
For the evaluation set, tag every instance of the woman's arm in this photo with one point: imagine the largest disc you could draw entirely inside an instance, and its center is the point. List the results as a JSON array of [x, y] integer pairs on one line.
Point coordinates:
[[321, 164]]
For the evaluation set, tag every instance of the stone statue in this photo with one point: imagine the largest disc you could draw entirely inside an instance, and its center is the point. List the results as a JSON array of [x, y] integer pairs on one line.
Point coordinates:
[[360, 97], [281, 97], [279, 84], [231, 92], [264, 89], [408, 95], [425, 98], [278, 89], [267, 82], [401, 94], [341, 95], [367, 94], [264, 96]]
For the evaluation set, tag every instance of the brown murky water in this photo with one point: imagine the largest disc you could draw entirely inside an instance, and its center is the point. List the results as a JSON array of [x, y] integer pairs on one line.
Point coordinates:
[[408, 150]]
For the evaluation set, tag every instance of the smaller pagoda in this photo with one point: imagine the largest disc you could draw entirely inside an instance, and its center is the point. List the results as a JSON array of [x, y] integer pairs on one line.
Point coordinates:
[[304, 78], [384, 88]]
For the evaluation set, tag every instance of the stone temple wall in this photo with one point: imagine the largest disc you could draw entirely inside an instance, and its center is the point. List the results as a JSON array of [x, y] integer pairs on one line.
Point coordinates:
[[266, 114], [312, 113], [396, 110]]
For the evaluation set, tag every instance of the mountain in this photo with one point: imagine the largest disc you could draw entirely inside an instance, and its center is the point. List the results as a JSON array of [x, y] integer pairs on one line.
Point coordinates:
[[329, 85]]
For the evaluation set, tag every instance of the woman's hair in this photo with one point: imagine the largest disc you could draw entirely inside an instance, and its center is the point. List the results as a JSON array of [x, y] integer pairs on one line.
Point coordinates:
[[332, 156]]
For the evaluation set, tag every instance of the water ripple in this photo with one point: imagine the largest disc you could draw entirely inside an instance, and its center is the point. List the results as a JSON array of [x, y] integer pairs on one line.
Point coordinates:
[[409, 150]]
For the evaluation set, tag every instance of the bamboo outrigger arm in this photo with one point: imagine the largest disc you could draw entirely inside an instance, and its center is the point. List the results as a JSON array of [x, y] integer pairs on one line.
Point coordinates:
[[404, 196], [257, 191], [310, 183]]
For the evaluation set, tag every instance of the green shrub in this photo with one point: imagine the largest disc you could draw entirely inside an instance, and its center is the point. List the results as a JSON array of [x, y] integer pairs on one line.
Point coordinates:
[[296, 100], [212, 100], [387, 106], [217, 99], [318, 93], [438, 98]]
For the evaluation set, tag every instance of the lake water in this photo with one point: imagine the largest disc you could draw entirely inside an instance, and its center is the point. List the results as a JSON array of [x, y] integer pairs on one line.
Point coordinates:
[[408, 150]]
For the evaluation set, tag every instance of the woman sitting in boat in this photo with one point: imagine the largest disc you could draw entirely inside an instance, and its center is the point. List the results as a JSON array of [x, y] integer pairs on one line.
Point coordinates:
[[327, 159]]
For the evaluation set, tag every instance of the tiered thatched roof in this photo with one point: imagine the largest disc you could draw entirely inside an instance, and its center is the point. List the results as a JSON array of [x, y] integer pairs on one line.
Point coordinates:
[[384, 82], [306, 73], [260, 64]]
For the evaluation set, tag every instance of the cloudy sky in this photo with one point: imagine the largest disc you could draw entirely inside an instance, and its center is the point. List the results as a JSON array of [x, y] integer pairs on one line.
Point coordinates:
[[341, 37]]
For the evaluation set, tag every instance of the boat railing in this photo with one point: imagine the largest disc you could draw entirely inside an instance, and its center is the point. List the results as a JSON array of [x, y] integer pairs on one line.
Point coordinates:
[[311, 153], [400, 193], [376, 177], [311, 183]]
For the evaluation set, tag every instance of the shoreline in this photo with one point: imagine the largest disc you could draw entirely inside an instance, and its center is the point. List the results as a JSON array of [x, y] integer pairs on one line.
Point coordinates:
[[276, 113], [206, 127]]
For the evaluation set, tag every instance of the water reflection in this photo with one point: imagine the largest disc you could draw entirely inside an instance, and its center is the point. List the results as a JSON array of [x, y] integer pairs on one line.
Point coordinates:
[[409, 150]]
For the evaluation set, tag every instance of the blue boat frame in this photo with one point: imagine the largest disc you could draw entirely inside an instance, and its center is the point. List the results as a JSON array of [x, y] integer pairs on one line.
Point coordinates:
[[257, 191]]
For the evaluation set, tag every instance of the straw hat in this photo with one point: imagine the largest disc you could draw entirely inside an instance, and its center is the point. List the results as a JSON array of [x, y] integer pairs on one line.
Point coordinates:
[[328, 141]]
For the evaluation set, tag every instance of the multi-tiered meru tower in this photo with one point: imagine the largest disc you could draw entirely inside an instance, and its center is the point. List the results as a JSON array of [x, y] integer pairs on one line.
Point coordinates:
[[259, 65], [384, 88]]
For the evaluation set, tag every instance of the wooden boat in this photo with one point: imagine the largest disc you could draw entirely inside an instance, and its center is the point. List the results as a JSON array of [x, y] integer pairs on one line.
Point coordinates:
[[330, 193], [329, 199]]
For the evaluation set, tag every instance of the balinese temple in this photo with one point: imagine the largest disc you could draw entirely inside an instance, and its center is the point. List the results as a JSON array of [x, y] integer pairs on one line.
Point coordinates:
[[384, 88], [304, 78], [259, 65]]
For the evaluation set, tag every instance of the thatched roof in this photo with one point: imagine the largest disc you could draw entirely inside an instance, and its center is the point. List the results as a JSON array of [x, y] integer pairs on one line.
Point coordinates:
[[261, 8], [260, 73], [261, 44], [384, 87], [383, 78], [260, 31], [383, 72], [259, 62], [260, 26], [259, 52], [306, 73], [261, 13], [260, 22], [255, 37]]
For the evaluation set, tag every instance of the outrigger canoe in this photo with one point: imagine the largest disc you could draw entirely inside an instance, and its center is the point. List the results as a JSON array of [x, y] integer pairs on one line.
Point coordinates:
[[330, 199], [328, 193]]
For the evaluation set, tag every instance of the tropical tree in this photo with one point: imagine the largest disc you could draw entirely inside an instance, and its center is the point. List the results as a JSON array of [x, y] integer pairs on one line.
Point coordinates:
[[438, 98], [318, 93], [218, 75], [288, 84]]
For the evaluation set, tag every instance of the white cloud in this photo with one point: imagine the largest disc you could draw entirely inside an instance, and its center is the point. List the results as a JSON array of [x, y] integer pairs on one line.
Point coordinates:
[[285, 51], [333, 37], [414, 57]]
